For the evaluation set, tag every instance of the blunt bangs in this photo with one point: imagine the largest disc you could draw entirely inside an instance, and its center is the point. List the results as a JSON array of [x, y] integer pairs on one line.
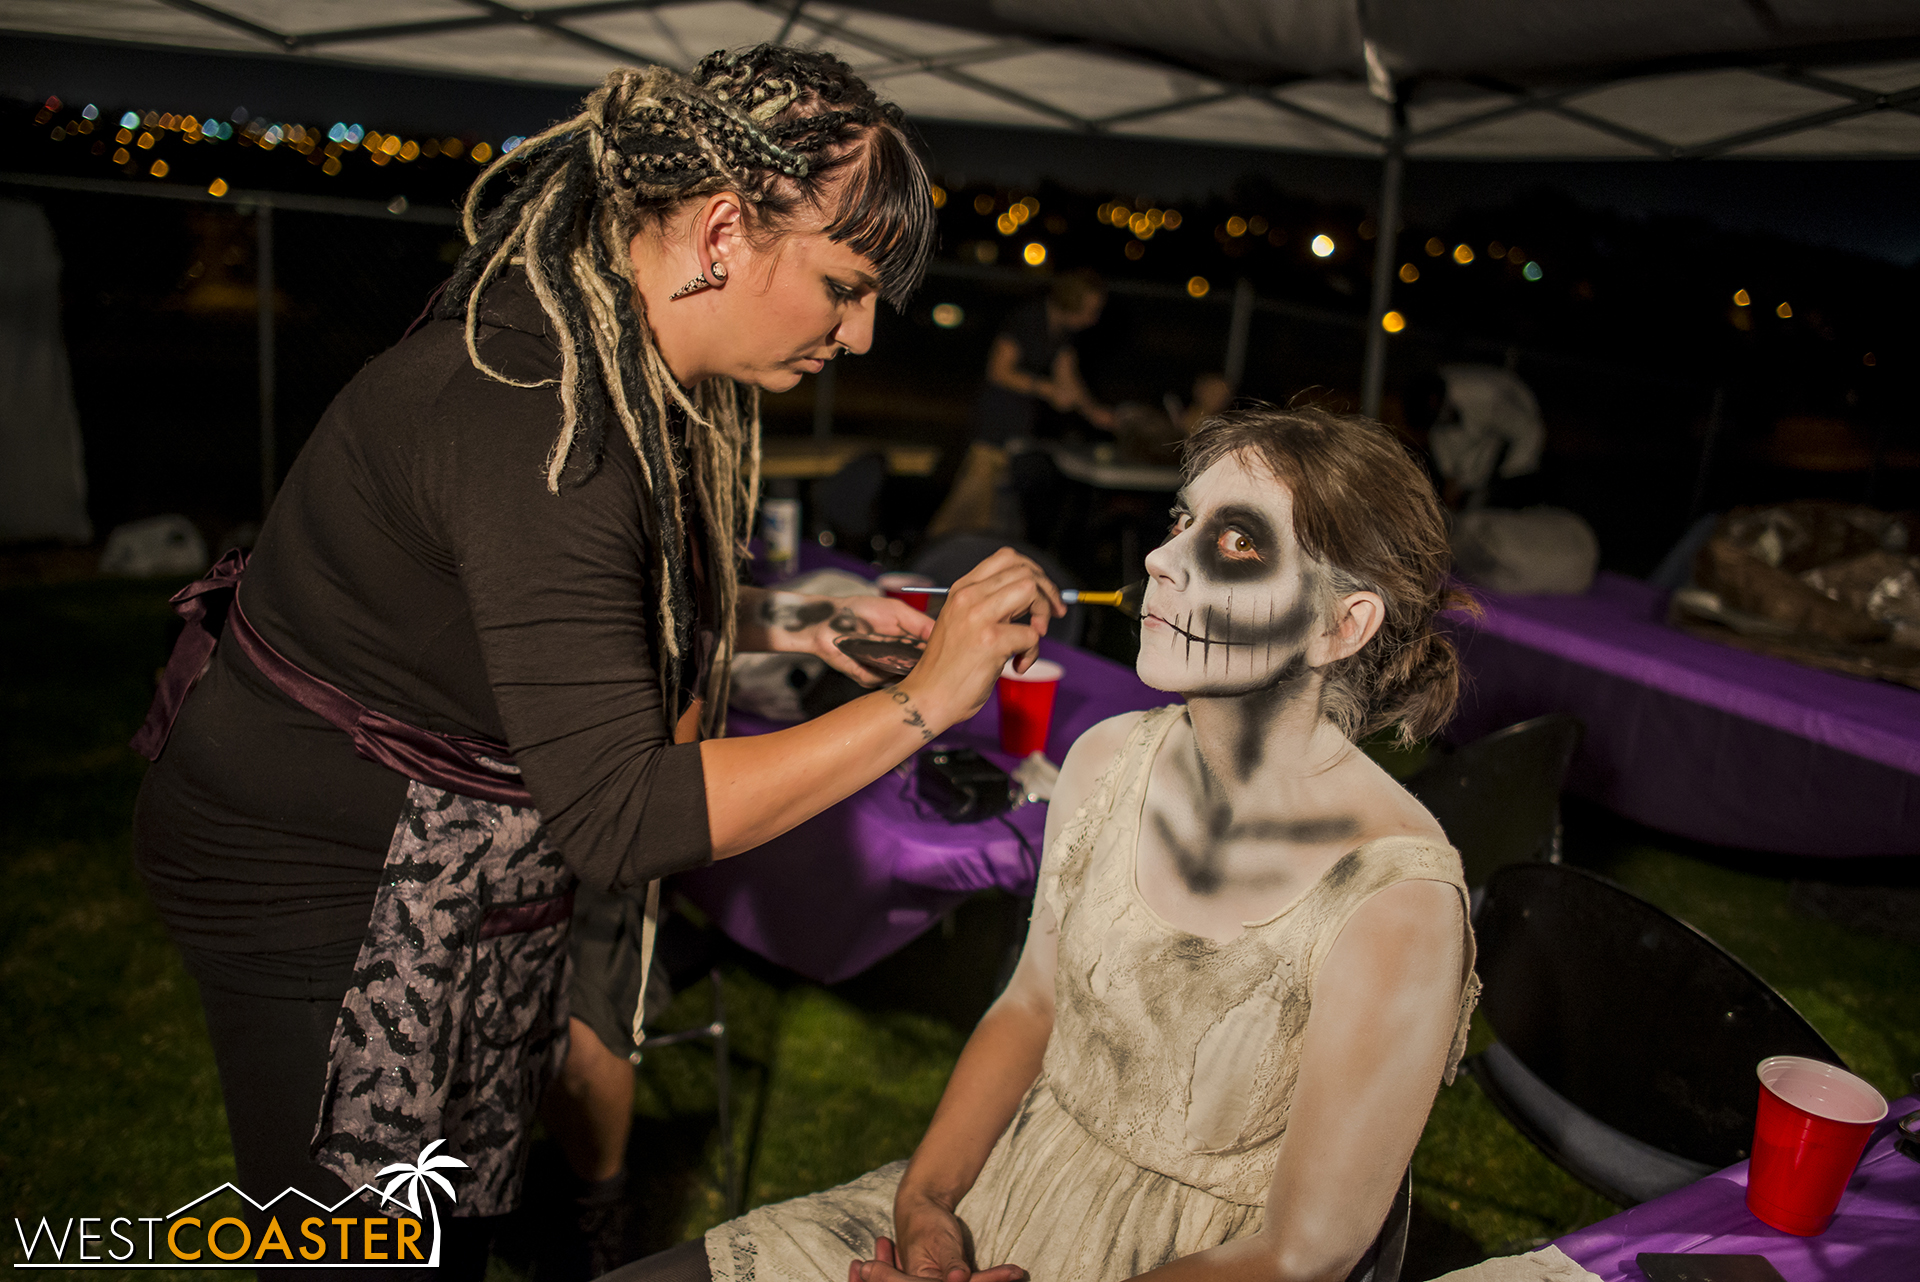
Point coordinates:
[[886, 212]]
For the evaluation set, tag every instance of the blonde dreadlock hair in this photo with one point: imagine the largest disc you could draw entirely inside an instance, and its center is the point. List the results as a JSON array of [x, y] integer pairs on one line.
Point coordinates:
[[783, 128]]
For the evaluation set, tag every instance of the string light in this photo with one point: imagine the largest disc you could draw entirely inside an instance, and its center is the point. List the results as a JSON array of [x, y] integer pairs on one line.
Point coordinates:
[[1532, 271], [1409, 273], [949, 315], [1323, 246], [1035, 253], [1435, 247], [1197, 287], [938, 195], [1463, 254], [1393, 322], [1741, 298], [1784, 311]]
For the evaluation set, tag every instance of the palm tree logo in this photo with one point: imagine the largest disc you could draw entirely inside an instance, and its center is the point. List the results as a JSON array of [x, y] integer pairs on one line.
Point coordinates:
[[415, 1176]]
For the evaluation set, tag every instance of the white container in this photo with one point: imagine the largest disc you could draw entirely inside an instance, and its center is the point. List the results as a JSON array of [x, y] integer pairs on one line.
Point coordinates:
[[780, 529]]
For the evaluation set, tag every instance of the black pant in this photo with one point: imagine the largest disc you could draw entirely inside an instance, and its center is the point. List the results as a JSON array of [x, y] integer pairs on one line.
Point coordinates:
[[272, 1053]]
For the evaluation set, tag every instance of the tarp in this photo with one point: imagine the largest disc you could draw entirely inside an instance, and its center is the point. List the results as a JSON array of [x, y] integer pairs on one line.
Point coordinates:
[[1507, 79], [43, 482]]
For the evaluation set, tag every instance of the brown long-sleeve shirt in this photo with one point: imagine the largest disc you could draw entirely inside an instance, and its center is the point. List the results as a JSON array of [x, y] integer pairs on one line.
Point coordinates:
[[416, 560]]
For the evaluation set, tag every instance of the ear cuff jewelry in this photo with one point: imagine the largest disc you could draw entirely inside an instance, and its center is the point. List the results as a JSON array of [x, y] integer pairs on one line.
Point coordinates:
[[701, 282]]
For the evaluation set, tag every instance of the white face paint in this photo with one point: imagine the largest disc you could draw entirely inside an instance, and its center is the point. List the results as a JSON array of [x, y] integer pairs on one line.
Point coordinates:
[[1230, 603]]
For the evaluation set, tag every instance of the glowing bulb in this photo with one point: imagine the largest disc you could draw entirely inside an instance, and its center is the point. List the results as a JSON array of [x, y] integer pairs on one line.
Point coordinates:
[[505, 147], [1197, 287], [482, 153], [1135, 250], [983, 204], [1741, 298], [218, 187], [1035, 253], [1784, 311], [1463, 254], [1323, 246], [1171, 220], [1393, 322], [1435, 247], [159, 169], [1006, 225], [939, 195], [1532, 271], [130, 121], [1409, 273], [1236, 226], [948, 315]]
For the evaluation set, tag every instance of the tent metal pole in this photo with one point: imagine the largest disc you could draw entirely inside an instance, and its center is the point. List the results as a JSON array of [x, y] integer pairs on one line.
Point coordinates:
[[263, 286], [1238, 329], [1386, 242]]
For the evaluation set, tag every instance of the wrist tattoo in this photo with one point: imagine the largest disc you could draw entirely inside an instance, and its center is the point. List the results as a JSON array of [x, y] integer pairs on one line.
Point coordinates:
[[911, 715]]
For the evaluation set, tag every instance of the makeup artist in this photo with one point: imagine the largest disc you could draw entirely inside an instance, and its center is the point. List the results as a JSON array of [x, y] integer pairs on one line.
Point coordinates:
[[481, 649]]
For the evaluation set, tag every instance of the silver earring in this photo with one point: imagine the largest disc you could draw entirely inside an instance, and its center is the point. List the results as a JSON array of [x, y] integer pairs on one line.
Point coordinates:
[[693, 286]]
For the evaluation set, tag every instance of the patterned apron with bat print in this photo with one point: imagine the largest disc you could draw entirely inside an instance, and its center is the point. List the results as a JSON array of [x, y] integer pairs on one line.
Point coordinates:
[[456, 1017]]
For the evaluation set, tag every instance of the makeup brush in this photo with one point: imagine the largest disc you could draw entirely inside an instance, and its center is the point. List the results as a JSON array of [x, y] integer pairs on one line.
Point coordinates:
[[1126, 600]]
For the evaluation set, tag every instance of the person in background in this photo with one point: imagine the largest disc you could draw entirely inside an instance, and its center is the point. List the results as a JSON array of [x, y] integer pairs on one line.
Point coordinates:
[[1033, 380], [1212, 393]]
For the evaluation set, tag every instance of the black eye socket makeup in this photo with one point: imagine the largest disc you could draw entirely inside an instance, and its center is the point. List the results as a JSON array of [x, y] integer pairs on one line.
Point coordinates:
[[1217, 535]]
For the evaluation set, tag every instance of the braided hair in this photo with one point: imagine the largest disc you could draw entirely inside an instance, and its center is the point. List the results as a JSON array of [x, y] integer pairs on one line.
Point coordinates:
[[785, 129]]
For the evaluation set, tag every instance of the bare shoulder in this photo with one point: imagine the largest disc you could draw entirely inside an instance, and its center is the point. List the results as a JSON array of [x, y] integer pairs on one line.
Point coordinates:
[[1390, 810], [1410, 929], [1089, 757]]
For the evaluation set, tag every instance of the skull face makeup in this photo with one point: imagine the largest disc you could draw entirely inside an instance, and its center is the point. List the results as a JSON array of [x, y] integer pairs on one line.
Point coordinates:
[[1232, 600]]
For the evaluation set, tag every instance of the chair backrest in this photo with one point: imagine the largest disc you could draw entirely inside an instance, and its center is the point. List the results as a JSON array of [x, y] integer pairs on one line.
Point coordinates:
[[950, 558], [1498, 798], [848, 502], [1629, 1013]]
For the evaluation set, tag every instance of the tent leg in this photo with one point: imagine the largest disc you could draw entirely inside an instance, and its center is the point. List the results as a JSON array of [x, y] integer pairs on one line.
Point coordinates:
[[263, 285], [1237, 331], [1386, 243]]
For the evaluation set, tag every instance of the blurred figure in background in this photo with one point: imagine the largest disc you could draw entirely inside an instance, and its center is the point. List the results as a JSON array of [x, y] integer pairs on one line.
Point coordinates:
[[1489, 431], [1033, 381]]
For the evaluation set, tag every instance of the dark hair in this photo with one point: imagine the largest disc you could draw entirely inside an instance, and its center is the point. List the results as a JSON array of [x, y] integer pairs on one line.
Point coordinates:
[[1071, 290], [785, 129], [1364, 508]]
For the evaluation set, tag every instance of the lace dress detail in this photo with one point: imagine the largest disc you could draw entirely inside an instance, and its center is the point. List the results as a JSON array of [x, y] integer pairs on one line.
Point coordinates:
[[1153, 1129]]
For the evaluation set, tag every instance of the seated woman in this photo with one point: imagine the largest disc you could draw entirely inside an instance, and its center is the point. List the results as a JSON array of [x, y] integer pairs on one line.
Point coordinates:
[[1250, 967]]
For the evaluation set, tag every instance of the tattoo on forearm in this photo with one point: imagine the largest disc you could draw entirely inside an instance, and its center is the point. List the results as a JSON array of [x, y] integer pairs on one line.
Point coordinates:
[[794, 613], [911, 715]]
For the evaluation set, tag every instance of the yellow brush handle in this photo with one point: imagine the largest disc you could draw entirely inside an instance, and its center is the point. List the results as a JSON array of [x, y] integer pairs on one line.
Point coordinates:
[[1098, 598]]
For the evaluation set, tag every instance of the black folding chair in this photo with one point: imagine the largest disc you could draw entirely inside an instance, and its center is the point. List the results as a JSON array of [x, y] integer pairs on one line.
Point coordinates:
[[1628, 1040], [1498, 798]]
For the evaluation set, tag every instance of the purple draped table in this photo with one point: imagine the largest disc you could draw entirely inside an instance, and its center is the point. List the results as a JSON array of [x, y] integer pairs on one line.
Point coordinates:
[[1875, 1236], [1695, 738], [866, 877]]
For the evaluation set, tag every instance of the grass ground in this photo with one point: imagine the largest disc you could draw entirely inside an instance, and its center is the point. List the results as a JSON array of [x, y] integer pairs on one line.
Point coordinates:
[[109, 1102]]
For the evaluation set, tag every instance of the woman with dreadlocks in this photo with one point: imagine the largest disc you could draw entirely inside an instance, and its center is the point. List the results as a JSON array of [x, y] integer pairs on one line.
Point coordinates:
[[506, 567]]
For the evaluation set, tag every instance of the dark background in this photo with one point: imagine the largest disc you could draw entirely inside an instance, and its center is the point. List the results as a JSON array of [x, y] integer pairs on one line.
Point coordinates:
[[1630, 337]]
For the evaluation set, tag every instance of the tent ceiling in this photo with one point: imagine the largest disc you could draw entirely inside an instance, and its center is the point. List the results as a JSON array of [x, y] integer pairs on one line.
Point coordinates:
[[1507, 79]]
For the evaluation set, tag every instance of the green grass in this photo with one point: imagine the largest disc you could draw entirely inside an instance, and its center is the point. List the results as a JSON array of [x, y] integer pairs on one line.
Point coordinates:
[[110, 1104]]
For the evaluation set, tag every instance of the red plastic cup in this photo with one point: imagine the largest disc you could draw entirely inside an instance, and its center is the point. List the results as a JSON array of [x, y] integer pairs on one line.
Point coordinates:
[[1026, 706], [1813, 1124], [901, 587]]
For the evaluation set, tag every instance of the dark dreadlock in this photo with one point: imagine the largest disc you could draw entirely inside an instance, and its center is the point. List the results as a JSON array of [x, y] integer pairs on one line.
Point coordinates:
[[773, 124]]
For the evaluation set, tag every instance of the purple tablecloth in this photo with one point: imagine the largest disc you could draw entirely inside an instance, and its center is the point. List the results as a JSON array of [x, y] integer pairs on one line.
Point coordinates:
[[866, 877], [1875, 1236], [1695, 738]]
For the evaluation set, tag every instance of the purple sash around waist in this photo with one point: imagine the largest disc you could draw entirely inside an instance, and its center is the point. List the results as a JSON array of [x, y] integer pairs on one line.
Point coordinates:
[[469, 767]]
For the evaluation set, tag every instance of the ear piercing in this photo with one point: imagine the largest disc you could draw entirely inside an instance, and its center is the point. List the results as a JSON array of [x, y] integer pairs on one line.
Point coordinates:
[[700, 282]]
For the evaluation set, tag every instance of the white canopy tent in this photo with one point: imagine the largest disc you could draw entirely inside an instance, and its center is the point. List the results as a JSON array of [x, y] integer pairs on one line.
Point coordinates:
[[1397, 79]]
